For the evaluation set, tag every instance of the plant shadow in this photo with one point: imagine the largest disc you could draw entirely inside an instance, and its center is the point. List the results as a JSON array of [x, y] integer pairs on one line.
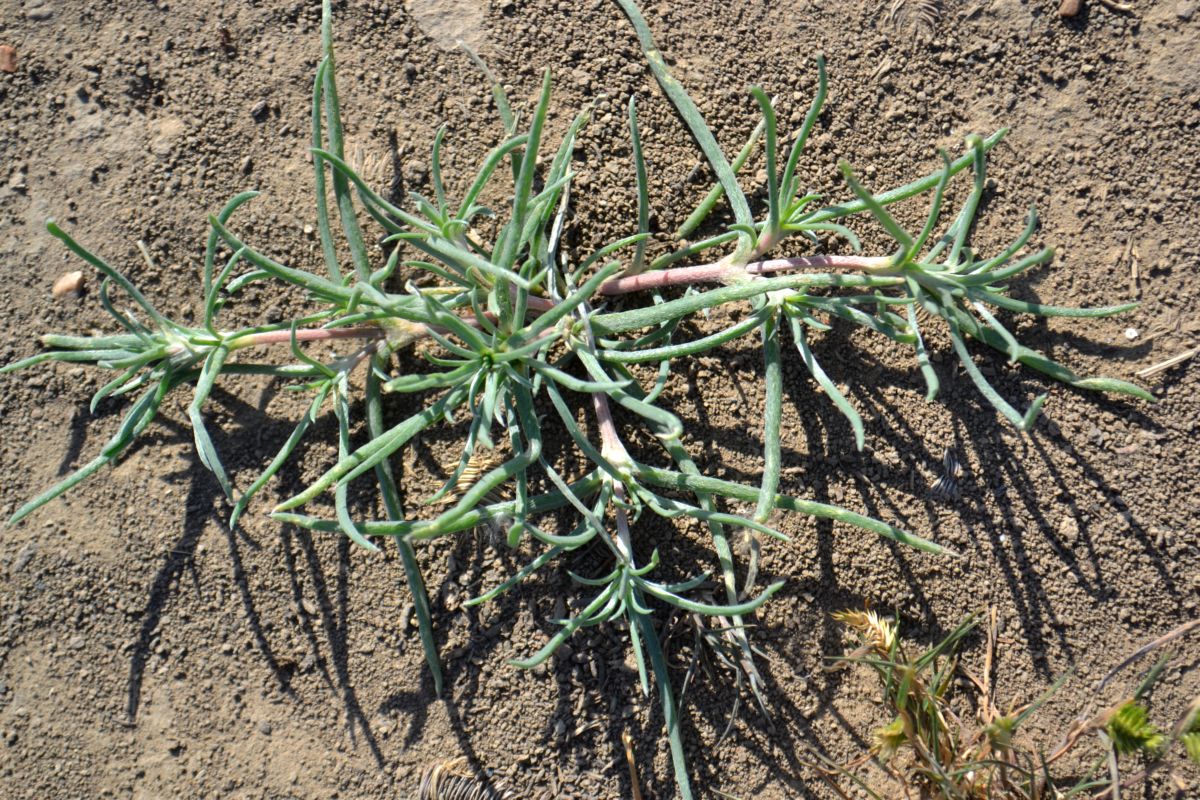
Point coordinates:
[[207, 508]]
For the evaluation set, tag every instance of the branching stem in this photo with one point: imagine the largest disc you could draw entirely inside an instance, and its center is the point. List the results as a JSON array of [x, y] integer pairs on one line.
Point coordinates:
[[718, 272]]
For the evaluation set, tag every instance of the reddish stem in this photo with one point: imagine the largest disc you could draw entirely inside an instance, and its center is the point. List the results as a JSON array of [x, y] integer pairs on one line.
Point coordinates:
[[309, 335], [721, 272], [610, 440], [612, 448]]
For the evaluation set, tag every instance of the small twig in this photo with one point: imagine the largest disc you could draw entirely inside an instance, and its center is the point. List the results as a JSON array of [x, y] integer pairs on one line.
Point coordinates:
[[1077, 730], [1149, 648], [1113, 769], [1135, 272], [987, 710], [1162, 366], [633, 773]]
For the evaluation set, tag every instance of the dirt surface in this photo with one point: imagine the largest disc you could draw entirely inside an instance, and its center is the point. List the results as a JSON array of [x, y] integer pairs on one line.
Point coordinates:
[[148, 651]]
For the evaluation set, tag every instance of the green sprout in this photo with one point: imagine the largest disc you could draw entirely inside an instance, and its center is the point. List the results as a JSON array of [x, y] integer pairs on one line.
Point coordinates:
[[511, 325]]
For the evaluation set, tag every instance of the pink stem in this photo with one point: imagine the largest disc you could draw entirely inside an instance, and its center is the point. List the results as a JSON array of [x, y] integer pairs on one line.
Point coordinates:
[[719, 272], [613, 448], [610, 440], [703, 273], [309, 335], [540, 304]]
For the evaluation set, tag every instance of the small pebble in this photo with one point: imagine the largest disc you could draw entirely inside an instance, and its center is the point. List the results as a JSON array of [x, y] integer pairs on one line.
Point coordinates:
[[68, 285], [247, 165], [8, 58], [259, 111], [1069, 8], [1131, 333], [264, 728]]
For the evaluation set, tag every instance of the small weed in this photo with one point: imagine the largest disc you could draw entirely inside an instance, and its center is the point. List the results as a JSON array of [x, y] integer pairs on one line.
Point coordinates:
[[929, 751]]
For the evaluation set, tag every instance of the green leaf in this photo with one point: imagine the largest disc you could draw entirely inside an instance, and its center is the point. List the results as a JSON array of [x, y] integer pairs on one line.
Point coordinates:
[[341, 189], [111, 273], [1012, 304], [204, 445], [669, 479], [341, 410], [518, 576], [395, 512], [932, 383], [380, 447], [210, 250], [772, 414], [966, 217], [735, 331], [284, 453], [524, 182], [594, 609], [909, 189], [1191, 744], [876, 208], [710, 200], [773, 199], [643, 194], [666, 696], [981, 383], [694, 119], [788, 184], [324, 229], [810, 361]]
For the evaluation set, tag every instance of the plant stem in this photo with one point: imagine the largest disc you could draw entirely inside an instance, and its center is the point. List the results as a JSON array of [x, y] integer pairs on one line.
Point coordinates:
[[718, 272], [723, 272], [306, 335]]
